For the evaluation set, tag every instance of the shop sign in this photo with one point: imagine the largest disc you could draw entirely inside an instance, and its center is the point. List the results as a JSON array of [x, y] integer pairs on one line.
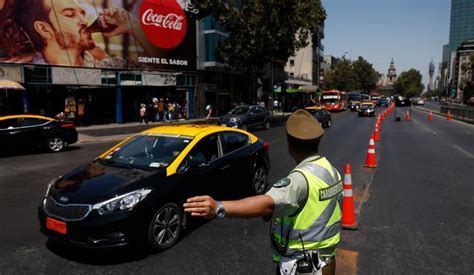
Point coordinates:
[[156, 79], [12, 73], [76, 76]]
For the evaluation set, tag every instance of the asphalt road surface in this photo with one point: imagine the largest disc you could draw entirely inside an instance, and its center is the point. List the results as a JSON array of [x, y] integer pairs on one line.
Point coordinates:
[[415, 209]]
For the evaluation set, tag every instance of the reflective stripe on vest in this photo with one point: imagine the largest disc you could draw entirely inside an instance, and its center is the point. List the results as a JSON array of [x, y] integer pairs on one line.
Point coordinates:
[[318, 224]]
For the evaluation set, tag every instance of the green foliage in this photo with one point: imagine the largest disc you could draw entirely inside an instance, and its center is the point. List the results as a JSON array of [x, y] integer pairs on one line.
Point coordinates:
[[261, 31], [349, 76], [409, 83]]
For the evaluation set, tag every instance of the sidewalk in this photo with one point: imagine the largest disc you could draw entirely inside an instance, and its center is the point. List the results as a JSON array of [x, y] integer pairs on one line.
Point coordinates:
[[115, 132]]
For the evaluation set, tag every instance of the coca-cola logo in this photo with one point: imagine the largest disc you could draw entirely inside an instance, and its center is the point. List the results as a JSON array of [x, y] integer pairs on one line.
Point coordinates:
[[163, 22]]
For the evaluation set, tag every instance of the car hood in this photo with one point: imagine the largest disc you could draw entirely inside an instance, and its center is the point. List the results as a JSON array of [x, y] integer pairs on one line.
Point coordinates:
[[95, 183]]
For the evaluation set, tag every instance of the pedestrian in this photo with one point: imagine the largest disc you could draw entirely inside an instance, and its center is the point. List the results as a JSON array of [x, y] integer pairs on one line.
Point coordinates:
[[155, 109], [161, 109], [305, 206], [143, 115], [276, 105], [81, 112], [209, 111]]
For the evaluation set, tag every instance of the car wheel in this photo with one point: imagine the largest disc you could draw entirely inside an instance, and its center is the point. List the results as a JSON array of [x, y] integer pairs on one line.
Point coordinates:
[[243, 126], [55, 144], [165, 227], [259, 180], [266, 125]]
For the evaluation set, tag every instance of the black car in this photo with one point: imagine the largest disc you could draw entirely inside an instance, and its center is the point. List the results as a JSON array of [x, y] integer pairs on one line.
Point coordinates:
[[134, 192], [245, 117], [367, 109], [401, 101], [353, 100], [321, 114], [20, 132]]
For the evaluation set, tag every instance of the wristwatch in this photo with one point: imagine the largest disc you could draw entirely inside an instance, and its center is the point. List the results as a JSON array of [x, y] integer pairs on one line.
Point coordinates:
[[220, 211]]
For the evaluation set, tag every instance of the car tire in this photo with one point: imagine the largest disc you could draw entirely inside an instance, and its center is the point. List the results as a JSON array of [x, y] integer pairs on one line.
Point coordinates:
[[244, 127], [267, 125], [55, 144], [165, 227], [259, 180]]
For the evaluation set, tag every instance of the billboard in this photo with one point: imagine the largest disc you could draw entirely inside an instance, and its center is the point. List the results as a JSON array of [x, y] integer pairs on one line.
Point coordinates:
[[115, 34]]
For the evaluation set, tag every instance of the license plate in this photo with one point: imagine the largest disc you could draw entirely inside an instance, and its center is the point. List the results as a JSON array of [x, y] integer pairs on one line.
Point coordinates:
[[56, 225]]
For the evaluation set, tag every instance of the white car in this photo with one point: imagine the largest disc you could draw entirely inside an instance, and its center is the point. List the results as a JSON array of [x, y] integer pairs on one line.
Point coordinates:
[[420, 102]]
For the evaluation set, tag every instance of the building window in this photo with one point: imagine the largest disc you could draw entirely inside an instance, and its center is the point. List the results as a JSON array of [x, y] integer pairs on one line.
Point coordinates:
[[292, 63]]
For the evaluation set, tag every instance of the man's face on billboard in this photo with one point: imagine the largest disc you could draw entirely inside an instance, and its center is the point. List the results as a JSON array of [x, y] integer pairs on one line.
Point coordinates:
[[68, 20]]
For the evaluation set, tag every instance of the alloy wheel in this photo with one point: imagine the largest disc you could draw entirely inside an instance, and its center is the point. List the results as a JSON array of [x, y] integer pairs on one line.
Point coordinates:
[[260, 180], [55, 144], [167, 226]]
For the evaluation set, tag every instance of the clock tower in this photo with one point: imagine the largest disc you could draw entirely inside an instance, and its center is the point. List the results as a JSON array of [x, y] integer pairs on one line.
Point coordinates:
[[392, 74]]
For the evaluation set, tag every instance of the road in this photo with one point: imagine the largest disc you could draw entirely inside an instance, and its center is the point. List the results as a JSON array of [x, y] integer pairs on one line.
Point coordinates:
[[415, 209]]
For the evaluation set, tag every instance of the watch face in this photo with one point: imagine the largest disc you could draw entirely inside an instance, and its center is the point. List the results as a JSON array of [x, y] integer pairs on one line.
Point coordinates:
[[220, 212]]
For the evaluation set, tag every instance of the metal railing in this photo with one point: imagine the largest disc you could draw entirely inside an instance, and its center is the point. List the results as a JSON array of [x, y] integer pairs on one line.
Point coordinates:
[[459, 111]]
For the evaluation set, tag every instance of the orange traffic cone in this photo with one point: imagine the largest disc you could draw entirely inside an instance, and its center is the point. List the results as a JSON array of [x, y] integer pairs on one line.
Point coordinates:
[[376, 133], [430, 116], [449, 115], [407, 116], [348, 213], [370, 160]]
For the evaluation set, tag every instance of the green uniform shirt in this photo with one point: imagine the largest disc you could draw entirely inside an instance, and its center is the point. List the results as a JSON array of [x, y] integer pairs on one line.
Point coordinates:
[[290, 194]]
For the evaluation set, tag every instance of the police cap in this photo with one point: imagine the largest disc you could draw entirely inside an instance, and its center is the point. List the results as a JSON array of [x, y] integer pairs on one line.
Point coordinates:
[[302, 126]]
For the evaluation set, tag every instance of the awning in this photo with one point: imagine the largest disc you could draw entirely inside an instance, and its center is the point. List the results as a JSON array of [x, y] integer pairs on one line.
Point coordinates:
[[301, 89], [6, 84]]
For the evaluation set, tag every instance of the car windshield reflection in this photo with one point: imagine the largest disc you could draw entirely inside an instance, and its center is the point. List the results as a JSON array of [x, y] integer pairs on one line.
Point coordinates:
[[146, 152], [239, 110]]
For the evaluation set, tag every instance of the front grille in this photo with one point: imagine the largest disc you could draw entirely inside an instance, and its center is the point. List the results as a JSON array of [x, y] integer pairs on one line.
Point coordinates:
[[67, 212]]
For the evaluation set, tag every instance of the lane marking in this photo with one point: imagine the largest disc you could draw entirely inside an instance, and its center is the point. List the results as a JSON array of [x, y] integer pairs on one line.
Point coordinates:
[[463, 151]]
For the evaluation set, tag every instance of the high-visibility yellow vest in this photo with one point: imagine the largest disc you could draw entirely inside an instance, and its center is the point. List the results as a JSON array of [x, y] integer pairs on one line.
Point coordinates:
[[317, 226]]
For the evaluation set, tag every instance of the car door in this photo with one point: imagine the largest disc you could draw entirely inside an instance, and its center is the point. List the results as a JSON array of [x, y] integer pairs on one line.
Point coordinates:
[[252, 115], [32, 131], [8, 130], [200, 168], [238, 159]]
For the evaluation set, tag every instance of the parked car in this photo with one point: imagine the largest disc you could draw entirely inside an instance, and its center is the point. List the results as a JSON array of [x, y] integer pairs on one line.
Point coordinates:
[[134, 192], [401, 101], [321, 114], [27, 132], [353, 100], [367, 109], [245, 117]]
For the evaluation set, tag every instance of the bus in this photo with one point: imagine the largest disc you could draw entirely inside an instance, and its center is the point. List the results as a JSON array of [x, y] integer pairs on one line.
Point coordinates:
[[334, 100]]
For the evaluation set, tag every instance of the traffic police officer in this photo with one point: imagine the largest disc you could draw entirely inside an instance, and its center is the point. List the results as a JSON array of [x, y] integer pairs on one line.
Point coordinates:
[[305, 205]]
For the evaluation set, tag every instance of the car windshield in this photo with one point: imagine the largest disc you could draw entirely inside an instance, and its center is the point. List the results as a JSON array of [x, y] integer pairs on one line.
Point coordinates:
[[147, 151], [239, 110], [354, 97]]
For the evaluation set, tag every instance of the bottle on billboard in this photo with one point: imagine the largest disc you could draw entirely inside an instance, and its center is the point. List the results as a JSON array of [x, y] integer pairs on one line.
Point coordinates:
[[101, 25]]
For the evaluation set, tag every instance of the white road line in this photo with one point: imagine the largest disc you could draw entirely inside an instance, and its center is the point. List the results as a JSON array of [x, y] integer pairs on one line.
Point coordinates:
[[463, 151]]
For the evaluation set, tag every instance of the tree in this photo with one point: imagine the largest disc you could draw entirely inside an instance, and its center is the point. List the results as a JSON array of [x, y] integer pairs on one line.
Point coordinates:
[[366, 76], [262, 31], [409, 83], [341, 77]]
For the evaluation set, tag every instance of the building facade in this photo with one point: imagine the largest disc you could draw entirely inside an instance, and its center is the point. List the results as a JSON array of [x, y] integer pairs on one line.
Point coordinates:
[[78, 58], [462, 69]]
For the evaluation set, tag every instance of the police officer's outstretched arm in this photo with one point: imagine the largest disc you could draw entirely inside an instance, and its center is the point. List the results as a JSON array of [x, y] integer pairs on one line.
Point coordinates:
[[251, 207]]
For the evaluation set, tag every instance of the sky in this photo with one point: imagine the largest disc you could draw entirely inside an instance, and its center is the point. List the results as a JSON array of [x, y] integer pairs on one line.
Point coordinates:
[[413, 32]]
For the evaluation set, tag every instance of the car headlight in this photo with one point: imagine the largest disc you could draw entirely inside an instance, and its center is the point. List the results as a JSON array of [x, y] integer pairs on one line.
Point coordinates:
[[123, 202], [234, 119]]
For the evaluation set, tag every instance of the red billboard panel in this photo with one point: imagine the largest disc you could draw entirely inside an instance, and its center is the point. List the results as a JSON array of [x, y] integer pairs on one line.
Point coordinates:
[[116, 34]]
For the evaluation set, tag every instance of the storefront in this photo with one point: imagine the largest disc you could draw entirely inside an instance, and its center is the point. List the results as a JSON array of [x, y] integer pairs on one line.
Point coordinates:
[[110, 76]]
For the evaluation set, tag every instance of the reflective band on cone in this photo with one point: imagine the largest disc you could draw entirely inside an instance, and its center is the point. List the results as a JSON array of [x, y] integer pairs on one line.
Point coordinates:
[[348, 213], [370, 160], [376, 133]]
